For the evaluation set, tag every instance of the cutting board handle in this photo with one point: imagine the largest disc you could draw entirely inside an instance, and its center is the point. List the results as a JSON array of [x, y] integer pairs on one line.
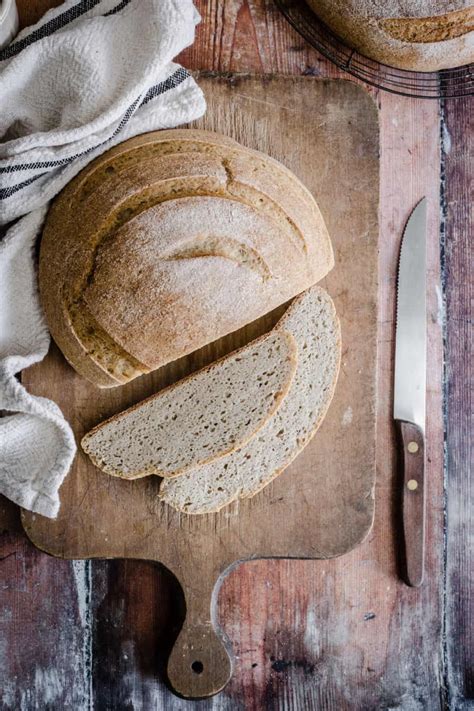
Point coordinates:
[[199, 664]]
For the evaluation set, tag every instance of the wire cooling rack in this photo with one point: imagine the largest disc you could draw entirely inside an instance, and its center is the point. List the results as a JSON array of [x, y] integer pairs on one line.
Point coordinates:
[[444, 84]]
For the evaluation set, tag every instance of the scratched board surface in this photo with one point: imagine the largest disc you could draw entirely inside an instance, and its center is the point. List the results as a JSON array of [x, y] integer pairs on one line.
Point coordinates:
[[322, 506]]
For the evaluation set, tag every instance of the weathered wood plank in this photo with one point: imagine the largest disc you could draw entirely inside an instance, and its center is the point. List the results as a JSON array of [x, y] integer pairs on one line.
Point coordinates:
[[137, 608], [458, 159], [30, 11], [44, 628], [251, 36]]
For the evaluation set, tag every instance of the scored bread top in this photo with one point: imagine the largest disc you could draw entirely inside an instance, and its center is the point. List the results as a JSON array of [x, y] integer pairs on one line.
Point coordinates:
[[168, 242], [200, 418]]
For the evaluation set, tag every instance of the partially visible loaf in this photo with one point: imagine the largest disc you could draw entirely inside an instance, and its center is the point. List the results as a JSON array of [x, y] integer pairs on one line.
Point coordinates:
[[421, 35], [200, 418], [169, 241], [313, 322]]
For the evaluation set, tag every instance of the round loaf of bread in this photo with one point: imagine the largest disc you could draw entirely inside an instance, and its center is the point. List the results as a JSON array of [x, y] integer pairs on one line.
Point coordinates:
[[421, 35], [168, 242]]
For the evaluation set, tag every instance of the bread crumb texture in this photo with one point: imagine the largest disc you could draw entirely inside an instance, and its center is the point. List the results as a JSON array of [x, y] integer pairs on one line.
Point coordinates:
[[313, 322], [199, 419]]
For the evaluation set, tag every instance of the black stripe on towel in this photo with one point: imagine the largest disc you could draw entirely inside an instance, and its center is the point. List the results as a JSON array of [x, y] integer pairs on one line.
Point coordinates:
[[171, 82], [174, 80], [11, 189], [116, 9], [55, 24], [6, 192]]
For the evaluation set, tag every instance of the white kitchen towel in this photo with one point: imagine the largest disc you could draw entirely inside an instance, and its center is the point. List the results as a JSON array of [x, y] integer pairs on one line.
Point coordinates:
[[89, 75]]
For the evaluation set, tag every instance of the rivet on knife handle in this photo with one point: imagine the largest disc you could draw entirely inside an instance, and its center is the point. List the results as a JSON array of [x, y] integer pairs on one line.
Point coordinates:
[[412, 459]]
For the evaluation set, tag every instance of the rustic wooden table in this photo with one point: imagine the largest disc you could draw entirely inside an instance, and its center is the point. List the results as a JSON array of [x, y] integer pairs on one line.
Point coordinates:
[[95, 634]]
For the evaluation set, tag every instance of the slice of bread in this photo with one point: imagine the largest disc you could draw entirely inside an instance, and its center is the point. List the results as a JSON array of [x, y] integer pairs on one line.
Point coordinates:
[[200, 418], [313, 322]]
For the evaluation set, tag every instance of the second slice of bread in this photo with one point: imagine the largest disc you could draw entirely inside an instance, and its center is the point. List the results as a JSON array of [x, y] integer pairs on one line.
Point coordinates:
[[313, 322], [198, 419]]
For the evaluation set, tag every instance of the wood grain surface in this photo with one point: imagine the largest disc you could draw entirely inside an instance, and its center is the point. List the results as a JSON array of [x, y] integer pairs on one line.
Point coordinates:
[[458, 202], [299, 645], [322, 506]]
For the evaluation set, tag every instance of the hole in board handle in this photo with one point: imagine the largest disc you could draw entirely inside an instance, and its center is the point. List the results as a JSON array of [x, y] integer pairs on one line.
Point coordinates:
[[197, 667]]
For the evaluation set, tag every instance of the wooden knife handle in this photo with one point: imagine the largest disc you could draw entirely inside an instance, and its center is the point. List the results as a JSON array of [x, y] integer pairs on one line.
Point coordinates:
[[412, 460]]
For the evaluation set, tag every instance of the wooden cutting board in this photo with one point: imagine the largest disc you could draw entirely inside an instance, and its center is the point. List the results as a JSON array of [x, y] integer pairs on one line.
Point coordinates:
[[322, 506]]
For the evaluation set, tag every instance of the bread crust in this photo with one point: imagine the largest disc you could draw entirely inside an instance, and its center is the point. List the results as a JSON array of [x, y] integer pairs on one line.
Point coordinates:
[[424, 35], [169, 241], [171, 389]]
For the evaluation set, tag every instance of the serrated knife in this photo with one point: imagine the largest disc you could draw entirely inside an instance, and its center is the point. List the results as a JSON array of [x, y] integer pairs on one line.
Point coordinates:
[[409, 409]]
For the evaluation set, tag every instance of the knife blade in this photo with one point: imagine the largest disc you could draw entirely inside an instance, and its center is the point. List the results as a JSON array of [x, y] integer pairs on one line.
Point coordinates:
[[409, 409]]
